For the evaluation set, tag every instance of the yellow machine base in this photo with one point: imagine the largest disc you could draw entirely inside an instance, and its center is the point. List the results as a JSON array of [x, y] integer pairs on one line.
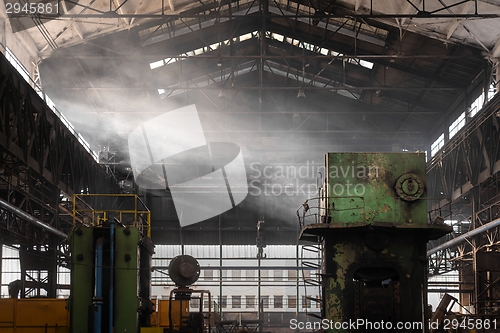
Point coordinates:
[[152, 329]]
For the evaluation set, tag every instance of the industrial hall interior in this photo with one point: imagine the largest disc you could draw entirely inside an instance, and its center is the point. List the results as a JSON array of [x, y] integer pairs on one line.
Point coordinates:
[[236, 166]]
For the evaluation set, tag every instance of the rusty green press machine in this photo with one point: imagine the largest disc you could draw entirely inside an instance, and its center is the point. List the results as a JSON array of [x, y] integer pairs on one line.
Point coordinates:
[[373, 229]]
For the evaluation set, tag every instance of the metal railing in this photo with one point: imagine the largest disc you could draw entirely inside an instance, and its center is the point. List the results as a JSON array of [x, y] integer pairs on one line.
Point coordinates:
[[95, 209]]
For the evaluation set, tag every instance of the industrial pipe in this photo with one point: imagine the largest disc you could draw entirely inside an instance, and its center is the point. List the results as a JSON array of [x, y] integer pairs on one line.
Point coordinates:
[[461, 238], [25, 216], [98, 300], [111, 273]]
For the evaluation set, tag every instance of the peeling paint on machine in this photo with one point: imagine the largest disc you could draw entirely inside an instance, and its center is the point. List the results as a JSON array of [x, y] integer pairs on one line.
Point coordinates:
[[375, 187], [374, 230]]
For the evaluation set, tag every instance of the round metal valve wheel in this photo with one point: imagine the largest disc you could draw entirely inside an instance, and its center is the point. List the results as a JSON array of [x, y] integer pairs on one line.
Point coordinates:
[[409, 187]]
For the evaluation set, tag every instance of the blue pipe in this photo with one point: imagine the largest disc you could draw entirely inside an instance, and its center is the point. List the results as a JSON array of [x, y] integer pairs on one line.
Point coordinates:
[[111, 274], [98, 301]]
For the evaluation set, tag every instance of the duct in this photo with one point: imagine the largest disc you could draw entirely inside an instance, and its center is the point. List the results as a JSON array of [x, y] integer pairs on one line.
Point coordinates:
[[25, 216], [457, 240]]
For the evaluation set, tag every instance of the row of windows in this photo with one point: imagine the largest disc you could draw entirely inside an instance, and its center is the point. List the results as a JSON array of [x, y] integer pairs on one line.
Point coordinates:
[[250, 302], [255, 34], [269, 35], [276, 275], [458, 123]]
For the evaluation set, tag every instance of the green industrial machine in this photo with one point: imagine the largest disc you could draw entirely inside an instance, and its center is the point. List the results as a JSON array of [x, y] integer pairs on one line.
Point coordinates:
[[122, 301], [374, 230], [369, 188], [110, 266]]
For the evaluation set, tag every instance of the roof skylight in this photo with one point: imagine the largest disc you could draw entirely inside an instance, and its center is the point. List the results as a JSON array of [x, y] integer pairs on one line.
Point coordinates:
[[271, 35]]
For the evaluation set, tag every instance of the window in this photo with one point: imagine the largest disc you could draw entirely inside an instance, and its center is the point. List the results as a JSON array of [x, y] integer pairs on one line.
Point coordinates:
[[317, 49], [236, 274], [156, 64], [208, 274], [278, 275], [250, 274], [477, 105], [223, 302], [236, 301], [194, 303], [64, 276], [306, 302], [457, 125], [276, 36], [250, 299], [438, 144], [247, 36], [492, 90], [201, 50], [11, 268], [264, 301], [292, 302], [278, 301], [292, 275]]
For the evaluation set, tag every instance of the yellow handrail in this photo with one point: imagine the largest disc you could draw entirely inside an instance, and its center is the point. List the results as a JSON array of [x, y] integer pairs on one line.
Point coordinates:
[[82, 210]]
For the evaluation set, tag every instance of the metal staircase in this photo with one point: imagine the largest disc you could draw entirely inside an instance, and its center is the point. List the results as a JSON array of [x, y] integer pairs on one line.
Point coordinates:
[[312, 282]]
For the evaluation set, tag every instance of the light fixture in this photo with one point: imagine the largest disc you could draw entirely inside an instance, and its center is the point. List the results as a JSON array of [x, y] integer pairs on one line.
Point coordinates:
[[301, 94], [222, 94]]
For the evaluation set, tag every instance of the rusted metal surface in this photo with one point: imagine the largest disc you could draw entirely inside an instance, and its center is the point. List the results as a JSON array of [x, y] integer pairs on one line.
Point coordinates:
[[361, 282], [374, 230], [376, 187]]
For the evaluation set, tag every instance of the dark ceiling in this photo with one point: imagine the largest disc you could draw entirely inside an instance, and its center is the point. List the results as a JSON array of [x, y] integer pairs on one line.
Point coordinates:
[[105, 85]]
